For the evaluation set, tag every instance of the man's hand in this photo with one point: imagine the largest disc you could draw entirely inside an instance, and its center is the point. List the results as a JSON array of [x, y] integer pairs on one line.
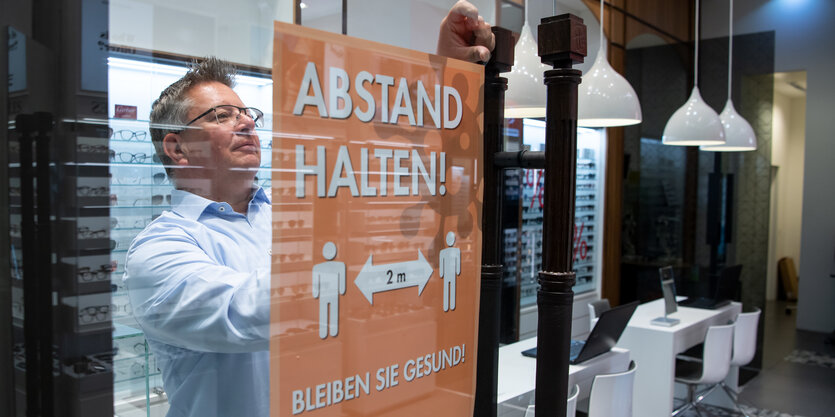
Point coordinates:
[[465, 35]]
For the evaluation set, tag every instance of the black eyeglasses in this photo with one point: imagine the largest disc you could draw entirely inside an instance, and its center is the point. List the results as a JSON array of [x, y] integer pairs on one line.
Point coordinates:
[[91, 314], [85, 232], [85, 191], [83, 147], [128, 135], [86, 274], [230, 114], [128, 157]]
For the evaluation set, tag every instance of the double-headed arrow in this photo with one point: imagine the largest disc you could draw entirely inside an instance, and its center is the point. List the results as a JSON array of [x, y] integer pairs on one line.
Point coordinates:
[[378, 278]]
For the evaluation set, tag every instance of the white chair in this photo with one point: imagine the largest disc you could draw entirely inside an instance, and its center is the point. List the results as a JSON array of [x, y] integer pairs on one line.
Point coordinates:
[[745, 346], [596, 308], [571, 405], [611, 394], [712, 369]]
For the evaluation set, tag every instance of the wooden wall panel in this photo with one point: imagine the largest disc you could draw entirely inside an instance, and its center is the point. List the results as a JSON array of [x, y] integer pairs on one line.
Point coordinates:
[[671, 20], [672, 16]]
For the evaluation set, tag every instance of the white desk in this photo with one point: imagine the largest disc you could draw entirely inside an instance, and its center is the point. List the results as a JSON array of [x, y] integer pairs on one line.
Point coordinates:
[[517, 374], [654, 349]]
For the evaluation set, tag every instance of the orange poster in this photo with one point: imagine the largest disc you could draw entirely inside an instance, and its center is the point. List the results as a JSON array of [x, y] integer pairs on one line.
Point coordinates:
[[376, 217]]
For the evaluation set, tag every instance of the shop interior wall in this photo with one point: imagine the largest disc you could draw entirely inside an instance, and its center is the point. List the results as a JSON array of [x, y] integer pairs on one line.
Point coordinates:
[[665, 201], [802, 29], [753, 97], [661, 79], [653, 207], [632, 24], [787, 183]]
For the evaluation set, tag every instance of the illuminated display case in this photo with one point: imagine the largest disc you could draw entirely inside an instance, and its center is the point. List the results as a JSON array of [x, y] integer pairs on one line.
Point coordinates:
[[523, 243]]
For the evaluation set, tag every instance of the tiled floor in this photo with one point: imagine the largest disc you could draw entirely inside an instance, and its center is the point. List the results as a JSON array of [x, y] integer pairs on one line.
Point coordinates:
[[806, 390], [793, 381]]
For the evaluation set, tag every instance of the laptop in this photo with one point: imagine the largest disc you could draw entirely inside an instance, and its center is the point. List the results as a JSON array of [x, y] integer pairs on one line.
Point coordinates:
[[603, 337], [725, 291]]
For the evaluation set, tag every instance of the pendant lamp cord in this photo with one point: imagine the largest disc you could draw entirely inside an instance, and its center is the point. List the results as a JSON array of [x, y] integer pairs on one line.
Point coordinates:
[[601, 27], [730, 45], [696, 65]]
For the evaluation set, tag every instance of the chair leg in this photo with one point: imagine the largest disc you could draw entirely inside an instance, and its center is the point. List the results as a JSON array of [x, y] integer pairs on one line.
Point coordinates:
[[705, 393], [682, 409], [732, 392], [698, 411], [734, 396], [689, 403]]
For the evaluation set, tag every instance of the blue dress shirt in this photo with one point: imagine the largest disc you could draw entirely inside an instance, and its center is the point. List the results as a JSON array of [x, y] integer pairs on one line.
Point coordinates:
[[198, 278]]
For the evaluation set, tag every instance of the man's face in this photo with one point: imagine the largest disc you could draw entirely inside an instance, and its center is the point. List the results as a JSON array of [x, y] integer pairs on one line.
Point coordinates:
[[219, 147]]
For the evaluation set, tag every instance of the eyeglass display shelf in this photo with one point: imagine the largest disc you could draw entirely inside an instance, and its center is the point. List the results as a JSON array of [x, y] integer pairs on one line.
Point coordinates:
[[117, 164], [117, 120], [267, 146], [121, 331]]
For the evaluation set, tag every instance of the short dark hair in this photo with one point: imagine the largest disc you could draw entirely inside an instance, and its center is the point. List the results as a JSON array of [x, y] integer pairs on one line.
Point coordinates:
[[169, 111]]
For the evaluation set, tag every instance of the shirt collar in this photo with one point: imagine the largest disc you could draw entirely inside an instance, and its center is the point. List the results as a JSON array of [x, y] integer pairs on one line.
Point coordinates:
[[192, 206], [260, 195], [188, 205]]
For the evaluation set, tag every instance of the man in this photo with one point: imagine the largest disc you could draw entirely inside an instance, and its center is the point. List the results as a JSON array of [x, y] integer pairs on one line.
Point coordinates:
[[198, 276]]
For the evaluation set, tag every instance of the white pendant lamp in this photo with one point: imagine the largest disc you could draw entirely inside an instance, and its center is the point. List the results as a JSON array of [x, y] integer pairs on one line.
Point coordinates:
[[739, 136], [695, 123], [605, 98], [525, 96]]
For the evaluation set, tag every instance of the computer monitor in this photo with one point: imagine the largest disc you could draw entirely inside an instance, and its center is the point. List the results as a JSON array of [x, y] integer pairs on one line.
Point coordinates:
[[668, 288], [726, 289]]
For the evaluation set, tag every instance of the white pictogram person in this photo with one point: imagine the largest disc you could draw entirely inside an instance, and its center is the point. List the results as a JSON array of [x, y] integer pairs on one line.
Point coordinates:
[[450, 268], [328, 284]]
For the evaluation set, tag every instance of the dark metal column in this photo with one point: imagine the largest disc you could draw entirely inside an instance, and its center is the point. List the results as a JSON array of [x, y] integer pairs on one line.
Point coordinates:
[[43, 125], [489, 320], [25, 127], [562, 43]]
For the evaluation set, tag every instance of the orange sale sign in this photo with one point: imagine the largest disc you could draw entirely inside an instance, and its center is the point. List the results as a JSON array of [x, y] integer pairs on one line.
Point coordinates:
[[376, 255]]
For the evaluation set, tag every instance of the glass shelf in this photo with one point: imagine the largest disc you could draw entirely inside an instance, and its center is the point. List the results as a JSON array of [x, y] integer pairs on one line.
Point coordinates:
[[120, 331]]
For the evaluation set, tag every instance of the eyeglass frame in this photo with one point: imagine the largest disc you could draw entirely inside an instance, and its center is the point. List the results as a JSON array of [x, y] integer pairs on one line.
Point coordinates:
[[86, 273], [84, 232], [140, 135], [95, 313], [241, 110], [138, 157]]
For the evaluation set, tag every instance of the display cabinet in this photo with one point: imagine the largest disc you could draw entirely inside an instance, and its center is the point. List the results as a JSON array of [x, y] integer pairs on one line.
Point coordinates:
[[523, 235]]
